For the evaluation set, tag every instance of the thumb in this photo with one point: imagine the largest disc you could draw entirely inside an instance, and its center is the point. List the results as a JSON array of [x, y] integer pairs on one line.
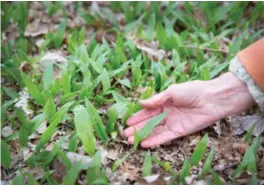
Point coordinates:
[[156, 100]]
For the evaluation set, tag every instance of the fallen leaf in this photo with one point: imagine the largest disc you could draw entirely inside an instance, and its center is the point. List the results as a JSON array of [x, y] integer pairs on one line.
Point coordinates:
[[23, 103], [7, 131], [55, 58], [74, 157], [152, 178], [131, 172], [241, 123]]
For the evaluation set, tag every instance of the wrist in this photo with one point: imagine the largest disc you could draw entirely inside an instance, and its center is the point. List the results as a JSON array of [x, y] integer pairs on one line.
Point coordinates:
[[229, 94]]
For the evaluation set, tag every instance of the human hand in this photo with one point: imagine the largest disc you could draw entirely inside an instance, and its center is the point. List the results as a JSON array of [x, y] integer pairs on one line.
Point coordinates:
[[191, 106]]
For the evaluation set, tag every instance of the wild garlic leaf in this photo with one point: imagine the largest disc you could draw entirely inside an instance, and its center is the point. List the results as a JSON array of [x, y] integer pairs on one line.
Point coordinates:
[[208, 163], [199, 151], [23, 135], [33, 90], [96, 121], [105, 80], [84, 129], [66, 83], [147, 129], [161, 33], [147, 165], [5, 154], [50, 109], [249, 161], [185, 171], [45, 137], [72, 174], [48, 76]]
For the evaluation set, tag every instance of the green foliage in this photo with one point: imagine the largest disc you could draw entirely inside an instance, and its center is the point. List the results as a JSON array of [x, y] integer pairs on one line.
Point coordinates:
[[208, 163], [97, 121], [84, 128], [147, 129], [95, 172], [71, 177], [5, 154], [185, 172], [249, 162], [50, 109], [147, 165], [33, 90], [199, 151]]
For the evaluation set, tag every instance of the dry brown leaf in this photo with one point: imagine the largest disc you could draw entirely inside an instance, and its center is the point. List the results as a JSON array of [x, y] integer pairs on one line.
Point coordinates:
[[6, 131], [56, 58], [241, 123], [129, 171]]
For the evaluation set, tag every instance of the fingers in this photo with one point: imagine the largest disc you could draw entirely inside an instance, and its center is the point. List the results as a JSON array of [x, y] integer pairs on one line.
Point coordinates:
[[159, 139], [156, 100], [156, 130], [143, 115], [130, 130]]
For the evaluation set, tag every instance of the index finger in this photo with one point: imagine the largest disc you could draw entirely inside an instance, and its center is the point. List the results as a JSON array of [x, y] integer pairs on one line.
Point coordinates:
[[143, 115]]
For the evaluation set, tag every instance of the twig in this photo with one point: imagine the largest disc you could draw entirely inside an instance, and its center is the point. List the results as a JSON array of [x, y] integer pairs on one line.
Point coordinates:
[[207, 49]]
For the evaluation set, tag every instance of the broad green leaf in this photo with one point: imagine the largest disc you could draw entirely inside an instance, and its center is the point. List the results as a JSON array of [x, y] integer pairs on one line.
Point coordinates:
[[23, 136], [218, 69], [147, 129], [96, 175], [21, 116], [66, 83], [249, 161], [73, 143], [48, 76], [97, 121], [118, 98], [147, 93], [208, 163], [50, 109], [150, 32], [199, 151], [185, 172], [112, 118], [147, 165], [161, 34], [33, 90], [10, 92], [253, 180], [18, 180], [216, 178], [72, 175], [51, 128], [105, 80], [84, 129], [31, 180], [248, 136], [118, 162], [5, 154]]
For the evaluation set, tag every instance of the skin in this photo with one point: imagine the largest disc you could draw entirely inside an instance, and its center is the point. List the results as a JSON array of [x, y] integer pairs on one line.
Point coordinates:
[[191, 106]]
